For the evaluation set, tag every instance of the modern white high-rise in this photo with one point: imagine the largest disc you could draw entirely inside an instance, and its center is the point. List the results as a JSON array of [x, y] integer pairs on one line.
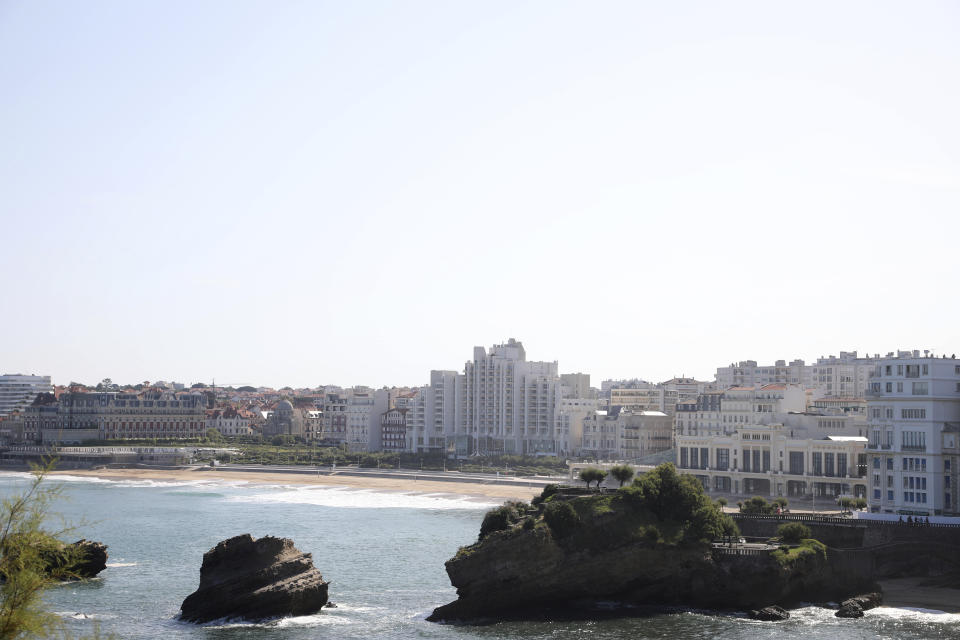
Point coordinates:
[[431, 413], [508, 405], [913, 406], [18, 391]]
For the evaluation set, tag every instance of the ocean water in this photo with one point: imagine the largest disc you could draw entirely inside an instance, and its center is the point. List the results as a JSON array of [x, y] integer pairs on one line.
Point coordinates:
[[383, 552]]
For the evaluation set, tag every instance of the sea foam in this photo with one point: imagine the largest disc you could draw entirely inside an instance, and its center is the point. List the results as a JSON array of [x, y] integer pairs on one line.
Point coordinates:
[[347, 497]]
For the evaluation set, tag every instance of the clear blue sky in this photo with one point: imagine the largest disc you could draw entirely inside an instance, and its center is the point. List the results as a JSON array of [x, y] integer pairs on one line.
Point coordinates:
[[354, 193]]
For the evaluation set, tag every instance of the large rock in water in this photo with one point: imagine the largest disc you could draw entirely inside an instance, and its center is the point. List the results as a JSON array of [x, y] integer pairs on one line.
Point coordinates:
[[539, 563], [250, 579]]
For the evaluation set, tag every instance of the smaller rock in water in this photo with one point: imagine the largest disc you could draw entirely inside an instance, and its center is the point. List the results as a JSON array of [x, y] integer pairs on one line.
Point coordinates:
[[93, 558], [866, 601], [249, 579], [770, 614], [849, 609]]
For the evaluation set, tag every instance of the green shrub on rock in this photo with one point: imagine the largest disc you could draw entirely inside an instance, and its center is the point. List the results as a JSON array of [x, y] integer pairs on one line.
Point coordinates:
[[793, 532], [548, 491], [561, 517], [501, 518]]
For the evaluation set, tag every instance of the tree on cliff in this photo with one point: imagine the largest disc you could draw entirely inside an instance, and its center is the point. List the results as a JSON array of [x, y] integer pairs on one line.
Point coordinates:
[[622, 473], [24, 567], [592, 474], [681, 498]]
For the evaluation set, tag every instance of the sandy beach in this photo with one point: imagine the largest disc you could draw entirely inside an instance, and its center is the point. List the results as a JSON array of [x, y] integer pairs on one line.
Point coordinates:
[[407, 485], [912, 593]]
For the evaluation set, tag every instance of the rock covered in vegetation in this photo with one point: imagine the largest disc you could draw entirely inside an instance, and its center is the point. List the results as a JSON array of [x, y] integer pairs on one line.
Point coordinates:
[[91, 558], [80, 560], [770, 614], [646, 544], [255, 579]]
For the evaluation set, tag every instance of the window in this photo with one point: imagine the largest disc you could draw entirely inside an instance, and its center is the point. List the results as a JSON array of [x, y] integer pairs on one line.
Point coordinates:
[[890, 495], [876, 494], [723, 459], [889, 387], [899, 387], [914, 440], [876, 463], [889, 464], [796, 463], [913, 414], [920, 388]]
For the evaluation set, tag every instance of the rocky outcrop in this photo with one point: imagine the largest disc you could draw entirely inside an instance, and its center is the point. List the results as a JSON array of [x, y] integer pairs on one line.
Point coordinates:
[[80, 560], [255, 579], [92, 558], [854, 607], [614, 547], [770, 614]]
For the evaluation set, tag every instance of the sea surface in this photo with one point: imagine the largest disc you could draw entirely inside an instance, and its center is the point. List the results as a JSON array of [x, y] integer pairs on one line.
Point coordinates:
[[383, 552]]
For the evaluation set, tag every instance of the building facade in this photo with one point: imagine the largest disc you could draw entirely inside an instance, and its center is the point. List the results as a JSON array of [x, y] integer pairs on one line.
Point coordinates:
[[508, 405], [913, 402], [18, 391], [393, 430], [148, 414]]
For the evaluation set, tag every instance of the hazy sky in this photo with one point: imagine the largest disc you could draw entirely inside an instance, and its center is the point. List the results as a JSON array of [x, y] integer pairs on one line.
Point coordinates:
[[347, 193]]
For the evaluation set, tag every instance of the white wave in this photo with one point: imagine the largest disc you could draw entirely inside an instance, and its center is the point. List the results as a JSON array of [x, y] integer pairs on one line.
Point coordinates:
[[915, 613], [314, 620], [16, 475], [79, 615], [361, 498], [121, 564]]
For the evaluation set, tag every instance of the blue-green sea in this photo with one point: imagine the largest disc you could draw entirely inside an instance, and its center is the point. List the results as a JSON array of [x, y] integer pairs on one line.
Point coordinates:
[[382, 551]]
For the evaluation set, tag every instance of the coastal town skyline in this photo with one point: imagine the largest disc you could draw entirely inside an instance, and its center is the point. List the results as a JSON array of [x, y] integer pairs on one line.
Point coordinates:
[[709, 373]]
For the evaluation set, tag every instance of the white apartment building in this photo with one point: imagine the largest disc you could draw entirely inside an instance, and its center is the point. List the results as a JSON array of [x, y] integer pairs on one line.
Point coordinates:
[[18, 391], [508, 405], [229, 422], [576, 385], [626, 435], [913, 405], [364, 407], [846, 375], [644, 396], [748, 373], [431, 414]]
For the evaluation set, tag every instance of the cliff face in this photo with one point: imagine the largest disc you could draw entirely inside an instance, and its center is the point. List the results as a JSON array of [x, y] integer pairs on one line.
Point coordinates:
[[615, 549]]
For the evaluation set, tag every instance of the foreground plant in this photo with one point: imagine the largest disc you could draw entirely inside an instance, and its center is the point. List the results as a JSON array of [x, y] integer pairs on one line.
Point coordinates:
[[26, 566]]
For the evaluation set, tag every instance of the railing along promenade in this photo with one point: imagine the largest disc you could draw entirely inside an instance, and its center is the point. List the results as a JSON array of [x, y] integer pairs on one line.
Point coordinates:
[[837, 520], [740, 551]]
